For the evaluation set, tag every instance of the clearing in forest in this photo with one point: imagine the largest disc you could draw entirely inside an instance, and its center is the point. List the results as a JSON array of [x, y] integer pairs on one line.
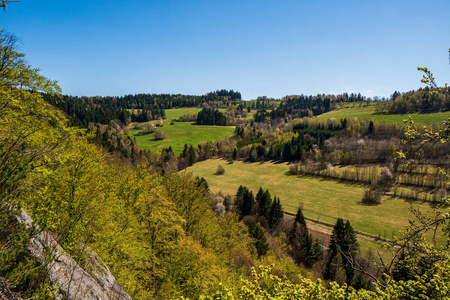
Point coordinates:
[[181, 133]]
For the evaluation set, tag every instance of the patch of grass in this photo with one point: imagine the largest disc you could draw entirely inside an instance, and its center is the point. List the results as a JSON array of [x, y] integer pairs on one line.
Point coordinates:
[[369, 113], [181, 133], [321, 199]]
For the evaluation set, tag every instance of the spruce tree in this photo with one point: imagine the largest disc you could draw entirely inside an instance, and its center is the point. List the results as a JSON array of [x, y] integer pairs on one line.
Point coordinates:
[[264, 201], [244, 201], [276, 213], [261, 244], [191, 156], [304, 249], [259, 195], [234, 154], [185, 151], [249, 201], [287, 152], [343, 244], [299, 218]]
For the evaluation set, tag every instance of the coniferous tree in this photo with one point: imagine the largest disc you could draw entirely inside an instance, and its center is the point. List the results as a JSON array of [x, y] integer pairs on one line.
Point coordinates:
[[304, 249], [191, 156], [264, 201], [244, 201], [287, 152], [261, 244], [299, 218], [276, 213], [344, 244], [259, 195]]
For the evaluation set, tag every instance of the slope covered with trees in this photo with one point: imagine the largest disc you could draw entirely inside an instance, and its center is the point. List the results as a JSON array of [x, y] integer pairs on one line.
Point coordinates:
[[423, 100]]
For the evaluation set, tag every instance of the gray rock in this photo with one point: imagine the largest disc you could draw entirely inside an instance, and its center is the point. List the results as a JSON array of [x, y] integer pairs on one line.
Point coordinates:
[[63, 272]]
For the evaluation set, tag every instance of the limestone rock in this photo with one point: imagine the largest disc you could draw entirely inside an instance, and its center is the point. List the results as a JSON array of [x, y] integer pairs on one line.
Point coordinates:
[[72, 281]]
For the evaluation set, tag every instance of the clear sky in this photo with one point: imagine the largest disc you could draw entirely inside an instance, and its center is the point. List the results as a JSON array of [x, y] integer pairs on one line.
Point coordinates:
[[260, 47]]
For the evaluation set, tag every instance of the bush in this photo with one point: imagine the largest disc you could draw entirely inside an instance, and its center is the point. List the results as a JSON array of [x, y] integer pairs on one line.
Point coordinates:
[[372, 196], [220, 170], [159, 135], [293, 169]]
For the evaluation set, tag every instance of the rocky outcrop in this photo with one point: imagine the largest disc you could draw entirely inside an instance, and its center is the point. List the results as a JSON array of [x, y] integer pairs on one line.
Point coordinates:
[[71, 280]]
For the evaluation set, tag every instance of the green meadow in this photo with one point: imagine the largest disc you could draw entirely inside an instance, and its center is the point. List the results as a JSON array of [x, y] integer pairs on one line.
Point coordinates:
[[181, 133], [321, 199], [175, 113], [368, 112]]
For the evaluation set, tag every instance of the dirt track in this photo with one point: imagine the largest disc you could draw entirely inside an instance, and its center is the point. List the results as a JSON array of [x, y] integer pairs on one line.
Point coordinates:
[[320, 233]]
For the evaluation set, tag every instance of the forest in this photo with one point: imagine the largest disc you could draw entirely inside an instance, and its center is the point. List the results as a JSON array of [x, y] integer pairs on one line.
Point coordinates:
[[69, 163]]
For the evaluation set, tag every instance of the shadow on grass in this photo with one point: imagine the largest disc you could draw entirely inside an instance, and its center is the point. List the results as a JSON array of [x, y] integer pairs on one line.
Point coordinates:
[[326, 179], [261, 162]]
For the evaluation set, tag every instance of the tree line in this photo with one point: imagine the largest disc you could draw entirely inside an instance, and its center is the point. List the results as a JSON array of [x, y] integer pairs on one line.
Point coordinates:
[[131, 108], [210, 116], [304, 106], [424, 100]]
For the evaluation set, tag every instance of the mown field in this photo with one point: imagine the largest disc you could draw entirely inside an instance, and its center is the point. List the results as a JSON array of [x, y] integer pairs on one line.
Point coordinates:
[[175, 113], [321, 199], [368, 112], [182, 133]]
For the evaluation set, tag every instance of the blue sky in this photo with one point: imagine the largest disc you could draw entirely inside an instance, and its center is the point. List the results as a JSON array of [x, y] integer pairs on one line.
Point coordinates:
[[272, 48]]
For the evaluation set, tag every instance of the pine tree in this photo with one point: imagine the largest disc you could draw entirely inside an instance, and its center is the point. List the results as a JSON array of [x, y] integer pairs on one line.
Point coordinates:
[[287, 152], [261, 244], [304, 249], [259, 195], [344, 244], [234, 154], [191, 156], [244, 201], [276, 213], [299, 218], [264, 201]]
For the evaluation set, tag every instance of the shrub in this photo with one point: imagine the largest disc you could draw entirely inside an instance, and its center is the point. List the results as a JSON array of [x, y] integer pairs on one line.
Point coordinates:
[[220, 170], [293, 169], [372, 196], [159, 135]]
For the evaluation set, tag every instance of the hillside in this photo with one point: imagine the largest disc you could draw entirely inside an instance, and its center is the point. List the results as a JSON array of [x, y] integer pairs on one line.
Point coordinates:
[[368, 112], [181, 133]]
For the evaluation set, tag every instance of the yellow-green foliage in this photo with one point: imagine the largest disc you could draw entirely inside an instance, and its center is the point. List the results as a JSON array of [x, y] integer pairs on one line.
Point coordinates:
[[266, 285], [158, 234]]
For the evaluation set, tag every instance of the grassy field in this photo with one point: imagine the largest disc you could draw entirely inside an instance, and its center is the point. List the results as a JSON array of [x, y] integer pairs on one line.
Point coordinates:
[[320, 198], [369, 113], [182, 133], [175, 113]]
